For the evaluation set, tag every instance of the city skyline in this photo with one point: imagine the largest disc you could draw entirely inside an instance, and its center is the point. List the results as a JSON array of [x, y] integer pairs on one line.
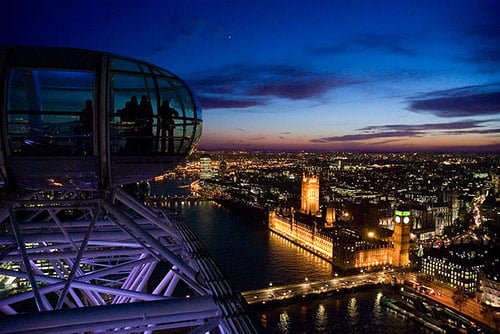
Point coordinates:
[[385, 76]]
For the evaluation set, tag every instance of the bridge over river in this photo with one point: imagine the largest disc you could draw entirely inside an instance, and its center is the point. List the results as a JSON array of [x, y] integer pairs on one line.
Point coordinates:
[[308, 289]]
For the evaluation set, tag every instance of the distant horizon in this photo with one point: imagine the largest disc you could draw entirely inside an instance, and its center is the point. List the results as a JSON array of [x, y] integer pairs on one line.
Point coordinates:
[[200, 149]]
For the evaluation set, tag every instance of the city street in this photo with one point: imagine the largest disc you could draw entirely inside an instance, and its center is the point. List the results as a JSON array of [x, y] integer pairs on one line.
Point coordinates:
[[470, 307]]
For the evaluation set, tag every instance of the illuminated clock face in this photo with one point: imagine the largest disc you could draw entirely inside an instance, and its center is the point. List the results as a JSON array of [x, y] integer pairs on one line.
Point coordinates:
[[398, 219], [406, 220]]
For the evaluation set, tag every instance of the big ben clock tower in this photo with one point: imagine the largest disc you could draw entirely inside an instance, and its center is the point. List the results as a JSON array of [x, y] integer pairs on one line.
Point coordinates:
[[401, 237]]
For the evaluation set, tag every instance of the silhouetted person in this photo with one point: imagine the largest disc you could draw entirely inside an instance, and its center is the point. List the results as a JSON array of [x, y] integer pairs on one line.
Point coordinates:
[[86, 117], [167, 125], [145, 120], [130, 123], [130, 112]]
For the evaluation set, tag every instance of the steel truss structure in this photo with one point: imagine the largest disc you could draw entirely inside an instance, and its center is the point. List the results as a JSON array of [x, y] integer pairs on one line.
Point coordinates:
[[103, 262]]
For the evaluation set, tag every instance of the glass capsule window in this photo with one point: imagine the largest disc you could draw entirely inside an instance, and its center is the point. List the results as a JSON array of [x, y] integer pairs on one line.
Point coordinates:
[[153, 112], [134, 117], [50, 112], [125, 65]]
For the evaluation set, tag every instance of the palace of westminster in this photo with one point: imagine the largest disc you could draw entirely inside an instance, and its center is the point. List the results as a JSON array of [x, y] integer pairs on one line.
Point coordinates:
[[344, 247]]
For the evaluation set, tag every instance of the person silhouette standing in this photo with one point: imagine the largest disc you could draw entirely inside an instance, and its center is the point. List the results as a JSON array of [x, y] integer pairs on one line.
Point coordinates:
[[145, 120], [129, 119], [86, 117], [167, 125]]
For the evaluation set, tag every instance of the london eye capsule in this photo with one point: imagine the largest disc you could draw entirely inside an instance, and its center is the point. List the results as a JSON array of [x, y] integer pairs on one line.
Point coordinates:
[[80, 119]]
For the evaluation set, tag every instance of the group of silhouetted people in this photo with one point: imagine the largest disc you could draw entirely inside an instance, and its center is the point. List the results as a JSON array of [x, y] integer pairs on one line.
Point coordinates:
[[137, 119]]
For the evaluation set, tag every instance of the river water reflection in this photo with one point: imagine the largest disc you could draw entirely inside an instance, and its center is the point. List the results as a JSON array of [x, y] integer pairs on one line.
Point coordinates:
[[248, 254], [251, 257]]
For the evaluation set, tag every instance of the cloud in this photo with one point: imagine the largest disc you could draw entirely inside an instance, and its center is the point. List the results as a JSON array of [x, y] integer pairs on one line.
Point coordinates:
[[298, 88], [246, 82], [416, 130], [386, 43], [226, 81], [367, 136], [386, 141], [285, 133], [240, 129], [459, 102], [465, 124], [468, 132], [220, 103]]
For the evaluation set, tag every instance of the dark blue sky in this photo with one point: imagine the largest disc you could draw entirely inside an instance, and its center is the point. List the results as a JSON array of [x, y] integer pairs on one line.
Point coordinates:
[[332, 75]]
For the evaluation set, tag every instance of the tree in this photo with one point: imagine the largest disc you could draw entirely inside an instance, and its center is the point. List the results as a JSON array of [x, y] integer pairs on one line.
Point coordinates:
[[491, 316], [487, 312], [424, 279], [459, 298], [496, 320]]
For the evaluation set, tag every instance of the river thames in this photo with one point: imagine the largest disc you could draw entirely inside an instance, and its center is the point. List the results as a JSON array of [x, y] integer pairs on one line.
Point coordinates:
[[251, 257]]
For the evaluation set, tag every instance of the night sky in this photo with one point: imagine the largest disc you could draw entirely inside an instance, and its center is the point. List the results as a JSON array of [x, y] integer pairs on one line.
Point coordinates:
[[332, 75]]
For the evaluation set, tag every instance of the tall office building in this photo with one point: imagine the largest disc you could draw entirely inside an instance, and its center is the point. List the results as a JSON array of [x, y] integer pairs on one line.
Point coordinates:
[[495, 178], [205, 168]]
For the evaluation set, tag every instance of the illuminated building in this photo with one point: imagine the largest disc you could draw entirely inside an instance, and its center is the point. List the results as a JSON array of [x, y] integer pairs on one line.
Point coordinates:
[[490, 278], [430, 220], [206, 168], [346, 248], [496, 183], [310, 195], [490, 288], [330, 216], [490, 208], [302, 234], [442, 216], [401, 237], [351, 251], [458, 265]]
